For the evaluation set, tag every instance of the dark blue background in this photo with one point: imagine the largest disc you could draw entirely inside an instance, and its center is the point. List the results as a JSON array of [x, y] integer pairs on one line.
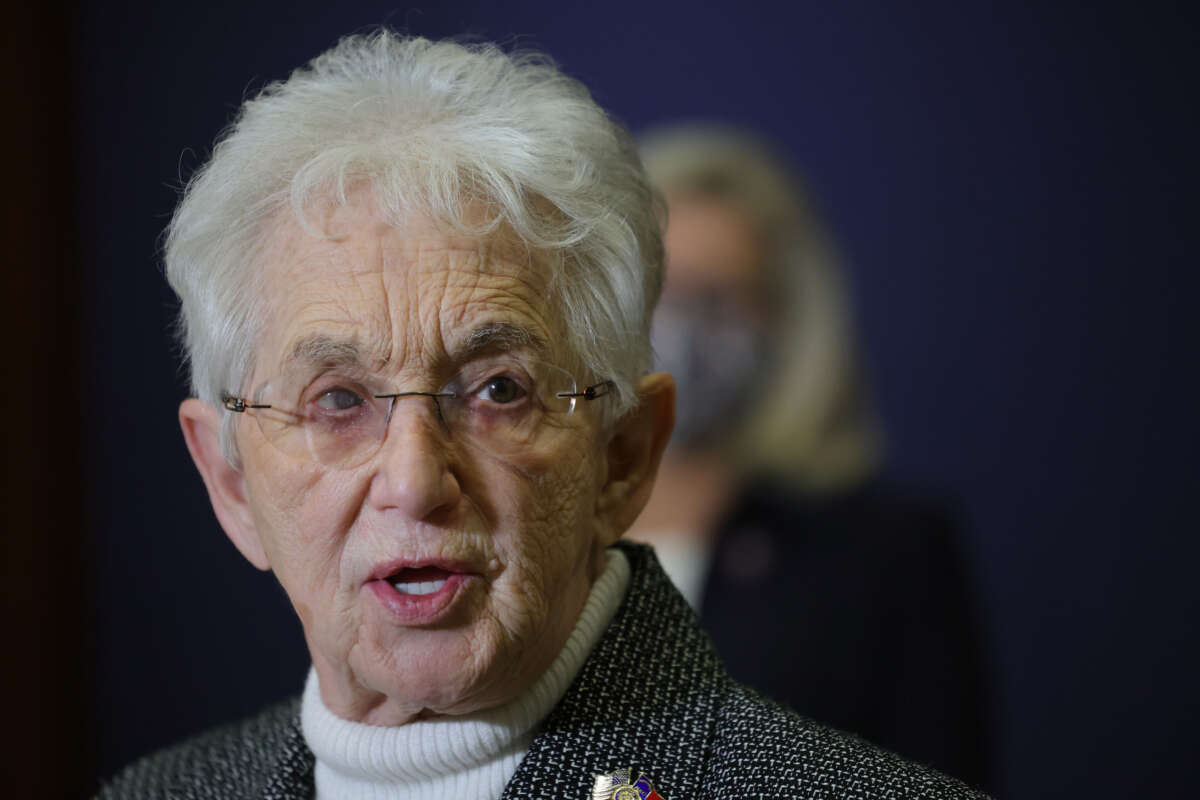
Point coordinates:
[[1014, 186]]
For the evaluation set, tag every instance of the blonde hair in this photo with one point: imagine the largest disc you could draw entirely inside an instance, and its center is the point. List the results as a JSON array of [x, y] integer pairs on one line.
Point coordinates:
[[812, 423]]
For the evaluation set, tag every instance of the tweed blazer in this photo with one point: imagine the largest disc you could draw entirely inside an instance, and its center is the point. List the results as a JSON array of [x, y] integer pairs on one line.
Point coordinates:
[[653, 696]]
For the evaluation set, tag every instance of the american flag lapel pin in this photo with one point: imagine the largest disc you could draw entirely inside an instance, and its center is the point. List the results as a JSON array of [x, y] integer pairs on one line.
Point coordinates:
[[619, 785]]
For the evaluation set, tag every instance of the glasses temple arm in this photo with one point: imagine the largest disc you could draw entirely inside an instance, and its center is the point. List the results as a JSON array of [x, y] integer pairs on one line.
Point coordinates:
[[591, 392], [238, 404]]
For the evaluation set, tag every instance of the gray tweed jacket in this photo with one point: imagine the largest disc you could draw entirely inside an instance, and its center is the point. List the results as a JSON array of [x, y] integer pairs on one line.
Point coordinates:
[[652, 696]]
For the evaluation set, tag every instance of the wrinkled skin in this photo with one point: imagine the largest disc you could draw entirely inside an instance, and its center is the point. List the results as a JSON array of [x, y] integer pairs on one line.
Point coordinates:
[[532, 528]]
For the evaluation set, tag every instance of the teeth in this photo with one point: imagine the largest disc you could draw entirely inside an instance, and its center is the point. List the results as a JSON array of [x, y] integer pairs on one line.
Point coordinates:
[[419, 587]]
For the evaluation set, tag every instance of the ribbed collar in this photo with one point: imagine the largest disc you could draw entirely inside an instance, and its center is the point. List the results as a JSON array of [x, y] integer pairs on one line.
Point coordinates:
[[472, 755]]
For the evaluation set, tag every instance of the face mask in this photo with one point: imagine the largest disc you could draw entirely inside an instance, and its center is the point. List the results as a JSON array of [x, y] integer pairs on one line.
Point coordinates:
[[717, 351]]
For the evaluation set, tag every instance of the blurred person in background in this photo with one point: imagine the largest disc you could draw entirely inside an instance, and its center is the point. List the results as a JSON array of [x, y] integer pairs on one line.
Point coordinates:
[[822, 584]]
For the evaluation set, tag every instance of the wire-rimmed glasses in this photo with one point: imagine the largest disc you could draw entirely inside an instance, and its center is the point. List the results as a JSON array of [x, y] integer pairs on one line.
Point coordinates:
[[340, 418]]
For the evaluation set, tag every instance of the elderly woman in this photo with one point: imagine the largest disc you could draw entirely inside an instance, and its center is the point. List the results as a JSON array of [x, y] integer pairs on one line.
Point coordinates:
[[416, 283]]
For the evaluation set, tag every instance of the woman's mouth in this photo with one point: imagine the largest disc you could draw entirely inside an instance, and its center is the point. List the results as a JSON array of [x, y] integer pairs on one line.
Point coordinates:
[[421, 594], [420, 581]]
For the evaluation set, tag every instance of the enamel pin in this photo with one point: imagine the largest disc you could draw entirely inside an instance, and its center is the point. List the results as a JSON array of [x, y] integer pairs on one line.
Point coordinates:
[[618, 785]]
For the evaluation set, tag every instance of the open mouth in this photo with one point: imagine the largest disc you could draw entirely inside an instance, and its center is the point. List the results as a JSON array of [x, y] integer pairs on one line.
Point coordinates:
[[422, 592], [419, 580]]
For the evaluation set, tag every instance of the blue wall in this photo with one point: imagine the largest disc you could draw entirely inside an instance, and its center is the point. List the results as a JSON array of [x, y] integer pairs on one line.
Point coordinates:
[[1014, 187]]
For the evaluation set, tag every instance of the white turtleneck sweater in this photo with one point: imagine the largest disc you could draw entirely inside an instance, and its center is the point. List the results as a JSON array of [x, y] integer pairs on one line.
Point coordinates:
[[473, 755]]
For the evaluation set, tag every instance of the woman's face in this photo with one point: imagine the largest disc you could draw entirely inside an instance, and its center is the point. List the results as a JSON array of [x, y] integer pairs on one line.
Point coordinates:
[[711, 330], [712, 248], [432, 578]]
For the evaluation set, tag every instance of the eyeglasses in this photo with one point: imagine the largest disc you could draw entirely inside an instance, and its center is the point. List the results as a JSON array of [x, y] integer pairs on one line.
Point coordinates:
[[504, 406]]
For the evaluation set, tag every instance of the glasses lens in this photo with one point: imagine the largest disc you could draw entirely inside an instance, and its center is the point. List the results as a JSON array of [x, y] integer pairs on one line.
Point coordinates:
[[508, 407], [332, 418], [505, 406]]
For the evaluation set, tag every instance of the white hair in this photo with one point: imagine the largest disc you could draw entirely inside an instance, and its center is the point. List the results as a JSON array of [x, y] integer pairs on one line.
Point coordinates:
[[432, 128], [812, 422]]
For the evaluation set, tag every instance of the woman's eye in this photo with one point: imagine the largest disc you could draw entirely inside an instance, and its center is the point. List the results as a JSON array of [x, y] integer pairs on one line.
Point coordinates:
[[339, 400], [501, 390]]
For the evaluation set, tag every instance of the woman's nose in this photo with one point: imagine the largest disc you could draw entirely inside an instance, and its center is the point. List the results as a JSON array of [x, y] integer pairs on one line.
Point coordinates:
[[414, 475]]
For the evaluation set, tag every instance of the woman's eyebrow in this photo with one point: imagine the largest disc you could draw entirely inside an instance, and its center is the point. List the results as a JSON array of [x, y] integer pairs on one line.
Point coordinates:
[[325, 350], [499, 337]]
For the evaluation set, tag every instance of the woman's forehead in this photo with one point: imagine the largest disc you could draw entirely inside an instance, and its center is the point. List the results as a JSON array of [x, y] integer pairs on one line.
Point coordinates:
[[353, 238], [399, 294], [380, 239]]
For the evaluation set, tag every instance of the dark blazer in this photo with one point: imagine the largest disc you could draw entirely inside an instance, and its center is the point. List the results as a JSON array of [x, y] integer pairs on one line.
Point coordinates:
[[855, 609], [652, 696]]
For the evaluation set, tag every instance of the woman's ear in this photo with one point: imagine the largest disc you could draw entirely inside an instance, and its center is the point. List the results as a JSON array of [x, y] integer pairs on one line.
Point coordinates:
[[634, 450], [226, 485]]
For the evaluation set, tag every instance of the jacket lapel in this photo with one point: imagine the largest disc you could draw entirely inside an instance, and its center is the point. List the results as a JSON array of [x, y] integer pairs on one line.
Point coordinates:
[[291, 774], [646, 699]]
